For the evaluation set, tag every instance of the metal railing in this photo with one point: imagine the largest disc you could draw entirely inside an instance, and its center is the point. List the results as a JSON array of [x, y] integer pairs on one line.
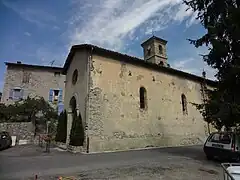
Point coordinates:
[[226, 174]]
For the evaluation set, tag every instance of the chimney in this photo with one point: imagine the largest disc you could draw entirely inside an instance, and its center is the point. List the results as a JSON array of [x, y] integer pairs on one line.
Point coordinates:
[[19, 62]]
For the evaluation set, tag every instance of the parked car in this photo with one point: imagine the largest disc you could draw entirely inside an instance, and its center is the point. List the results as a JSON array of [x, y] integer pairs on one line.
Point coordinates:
[[223, 145], [5, 140]]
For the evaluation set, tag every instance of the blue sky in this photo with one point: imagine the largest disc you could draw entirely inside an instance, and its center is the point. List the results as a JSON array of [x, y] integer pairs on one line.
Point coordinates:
[[39, 32]]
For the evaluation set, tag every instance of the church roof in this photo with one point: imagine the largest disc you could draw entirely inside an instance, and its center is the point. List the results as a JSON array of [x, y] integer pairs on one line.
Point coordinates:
[[131, 60], [154, 38]]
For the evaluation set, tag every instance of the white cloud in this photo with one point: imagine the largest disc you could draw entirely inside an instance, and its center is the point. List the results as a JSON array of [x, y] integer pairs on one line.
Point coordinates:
[[111, 23], [181, 64], [46, 55], [27, 34], [114, 24], [37, 16], [194, 66]]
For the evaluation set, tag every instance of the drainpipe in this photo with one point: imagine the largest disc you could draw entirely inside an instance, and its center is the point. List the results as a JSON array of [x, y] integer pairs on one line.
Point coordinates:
[[87, 110]]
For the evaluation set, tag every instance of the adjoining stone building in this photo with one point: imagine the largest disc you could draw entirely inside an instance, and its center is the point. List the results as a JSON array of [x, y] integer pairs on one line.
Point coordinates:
[[22, 80], [127, 103]]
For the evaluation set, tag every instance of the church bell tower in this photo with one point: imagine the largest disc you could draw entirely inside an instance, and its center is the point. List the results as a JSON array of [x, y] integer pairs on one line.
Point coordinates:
[[154, 50]]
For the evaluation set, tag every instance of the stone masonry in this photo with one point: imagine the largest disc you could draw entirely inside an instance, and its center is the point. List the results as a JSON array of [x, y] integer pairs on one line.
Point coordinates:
[[40, 81], [116, 121], [23, 130], [107, 95]]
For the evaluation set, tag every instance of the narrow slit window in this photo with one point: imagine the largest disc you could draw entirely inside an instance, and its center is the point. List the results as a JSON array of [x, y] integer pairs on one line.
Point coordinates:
[[184, 104], [160, 49], [26, 77], [149, 51], [143, 97]]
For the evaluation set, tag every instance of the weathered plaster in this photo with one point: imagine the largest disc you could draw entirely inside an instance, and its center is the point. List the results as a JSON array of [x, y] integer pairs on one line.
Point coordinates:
[[41, 81], [115, 120], [79, 90]]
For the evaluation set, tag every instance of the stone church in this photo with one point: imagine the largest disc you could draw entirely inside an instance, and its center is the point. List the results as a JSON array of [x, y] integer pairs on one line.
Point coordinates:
[[129, 103]]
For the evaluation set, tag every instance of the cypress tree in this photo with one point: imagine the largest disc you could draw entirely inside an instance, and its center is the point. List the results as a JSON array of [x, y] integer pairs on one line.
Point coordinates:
[[77, 131], [62, 127]]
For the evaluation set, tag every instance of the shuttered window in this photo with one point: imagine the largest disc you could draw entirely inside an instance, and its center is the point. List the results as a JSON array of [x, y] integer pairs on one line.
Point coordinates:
[[60, 96], [60, 108], [16, 94], [50, 99], [55, 95]]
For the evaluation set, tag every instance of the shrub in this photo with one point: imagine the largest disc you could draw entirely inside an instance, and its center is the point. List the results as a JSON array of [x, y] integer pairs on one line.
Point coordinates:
[[77, 131], [62, 127]]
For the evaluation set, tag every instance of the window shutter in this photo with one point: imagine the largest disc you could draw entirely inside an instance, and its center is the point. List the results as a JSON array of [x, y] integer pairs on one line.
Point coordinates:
[[60, 108], [11, 94], [60, 97], [50, 95], [22, 94]]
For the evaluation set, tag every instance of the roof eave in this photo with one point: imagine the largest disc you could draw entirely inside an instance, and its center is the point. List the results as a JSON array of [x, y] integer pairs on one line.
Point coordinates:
[[33, 66], [133, 60]]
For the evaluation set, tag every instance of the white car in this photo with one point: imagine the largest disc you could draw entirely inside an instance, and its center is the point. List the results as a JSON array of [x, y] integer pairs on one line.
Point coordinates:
[[223, 145]]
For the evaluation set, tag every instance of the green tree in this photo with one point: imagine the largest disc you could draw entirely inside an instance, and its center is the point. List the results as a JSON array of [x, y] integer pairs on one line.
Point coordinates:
[[38, 111], [62, 127], [35, 110], [77, 131], [220, 18], [8, 112]]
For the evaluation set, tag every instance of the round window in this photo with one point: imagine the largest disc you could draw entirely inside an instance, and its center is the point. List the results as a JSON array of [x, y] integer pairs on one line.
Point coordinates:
[[75, 76]]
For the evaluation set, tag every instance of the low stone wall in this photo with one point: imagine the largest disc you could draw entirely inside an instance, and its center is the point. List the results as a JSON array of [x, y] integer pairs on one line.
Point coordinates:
[[23, 130], [61, 145], [121, 143], [75, 149]]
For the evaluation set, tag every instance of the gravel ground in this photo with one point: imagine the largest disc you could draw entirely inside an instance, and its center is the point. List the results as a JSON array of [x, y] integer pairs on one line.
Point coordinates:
[[168, 170], [183, 163]]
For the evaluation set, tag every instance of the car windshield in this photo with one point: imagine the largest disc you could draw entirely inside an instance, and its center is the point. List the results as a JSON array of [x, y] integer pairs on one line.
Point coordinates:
[[223, 138]]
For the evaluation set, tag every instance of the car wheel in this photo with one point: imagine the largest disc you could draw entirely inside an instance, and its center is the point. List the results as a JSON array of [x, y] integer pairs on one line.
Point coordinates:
[[237, 159]]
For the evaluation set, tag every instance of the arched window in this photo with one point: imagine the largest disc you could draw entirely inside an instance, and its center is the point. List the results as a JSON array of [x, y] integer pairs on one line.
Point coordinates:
[[160, 49], [75, 77], [143, 97], [184, 104], [148, 50]]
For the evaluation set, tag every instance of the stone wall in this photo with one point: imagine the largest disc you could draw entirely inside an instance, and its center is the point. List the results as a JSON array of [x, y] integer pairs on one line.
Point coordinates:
[[116, 121], [78, 90], [23, 130], [40, 82]]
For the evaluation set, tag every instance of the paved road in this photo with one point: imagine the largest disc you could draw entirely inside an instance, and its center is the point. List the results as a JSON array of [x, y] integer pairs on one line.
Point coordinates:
[[182, 163]]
